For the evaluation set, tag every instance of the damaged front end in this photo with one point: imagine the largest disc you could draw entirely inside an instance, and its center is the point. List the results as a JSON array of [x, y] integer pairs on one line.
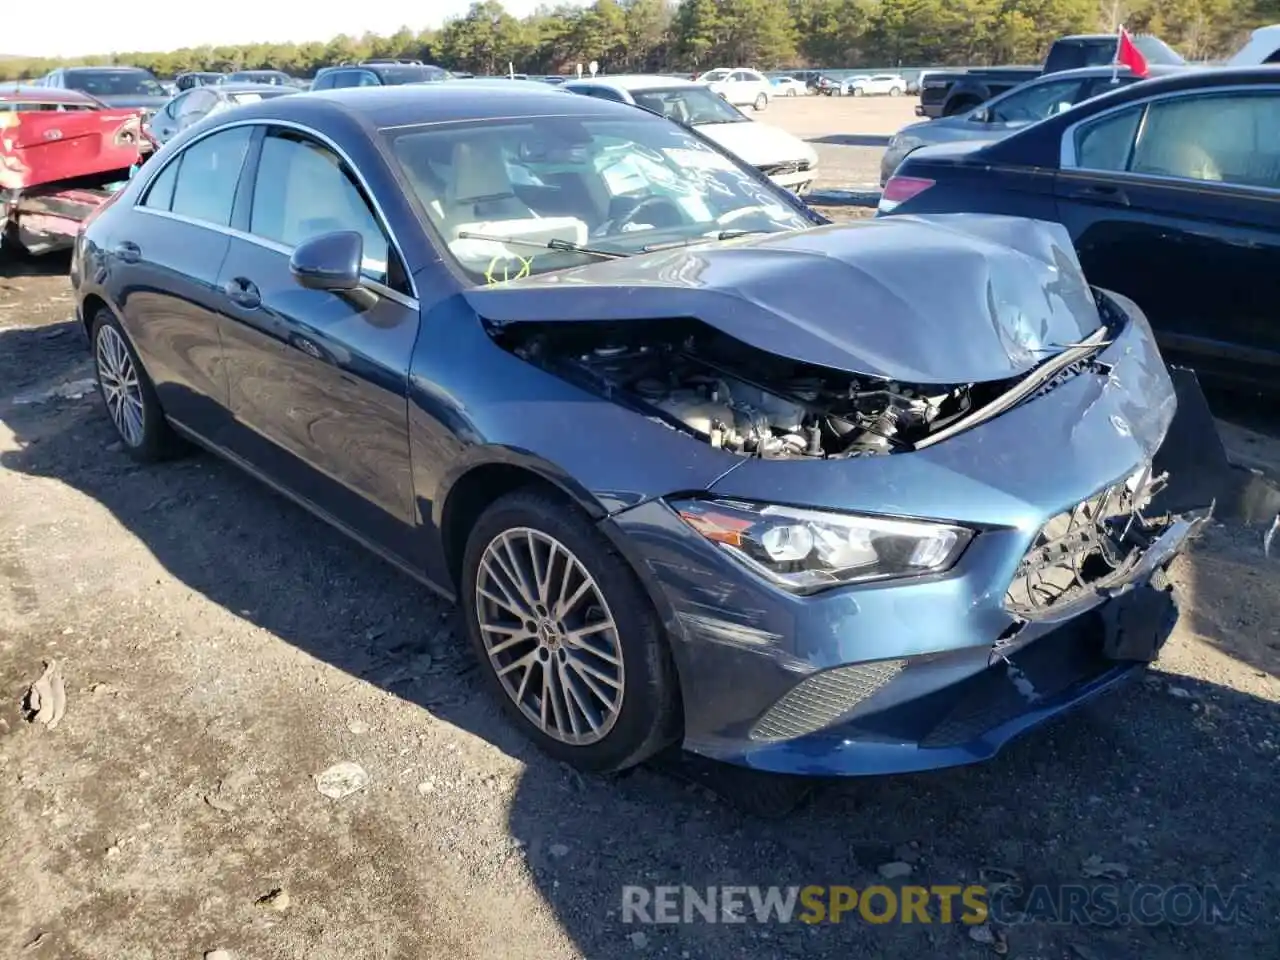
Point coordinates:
[[741, 399]]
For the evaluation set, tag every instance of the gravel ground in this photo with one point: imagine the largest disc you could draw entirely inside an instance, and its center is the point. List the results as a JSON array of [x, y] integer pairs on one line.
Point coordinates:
[[221, 649]]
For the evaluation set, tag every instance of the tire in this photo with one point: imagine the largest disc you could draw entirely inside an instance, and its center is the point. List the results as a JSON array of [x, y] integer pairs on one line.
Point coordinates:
[[895, 91], [856, 91], [791, 91], [126, 391], [645, 717], [761, 102]]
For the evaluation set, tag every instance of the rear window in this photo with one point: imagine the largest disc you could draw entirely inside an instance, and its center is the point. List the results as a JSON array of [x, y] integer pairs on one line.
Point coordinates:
[[115, 83]]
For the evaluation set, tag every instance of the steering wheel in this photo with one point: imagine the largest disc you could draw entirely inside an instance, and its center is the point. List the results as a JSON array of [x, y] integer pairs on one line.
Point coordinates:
[[650, 203]]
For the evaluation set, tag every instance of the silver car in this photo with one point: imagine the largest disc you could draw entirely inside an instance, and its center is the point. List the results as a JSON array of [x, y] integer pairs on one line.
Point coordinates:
[[1000, 116], [193, 105]]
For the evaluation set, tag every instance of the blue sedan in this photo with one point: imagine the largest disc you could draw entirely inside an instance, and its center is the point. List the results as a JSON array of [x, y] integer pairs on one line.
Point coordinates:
[[697, 466]]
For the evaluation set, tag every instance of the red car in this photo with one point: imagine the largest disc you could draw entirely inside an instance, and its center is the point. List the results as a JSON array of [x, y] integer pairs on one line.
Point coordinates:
[[61, 154]]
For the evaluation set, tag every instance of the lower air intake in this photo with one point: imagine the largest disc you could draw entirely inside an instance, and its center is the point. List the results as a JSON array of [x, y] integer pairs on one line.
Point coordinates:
[[823, 699]]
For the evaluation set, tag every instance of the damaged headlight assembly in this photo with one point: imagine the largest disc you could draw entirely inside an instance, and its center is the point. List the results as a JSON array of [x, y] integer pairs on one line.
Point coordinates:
[[804, 551]]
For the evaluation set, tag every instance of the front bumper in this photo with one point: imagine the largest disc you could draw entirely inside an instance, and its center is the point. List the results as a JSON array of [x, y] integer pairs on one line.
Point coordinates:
[[797, 181], [940, 671]]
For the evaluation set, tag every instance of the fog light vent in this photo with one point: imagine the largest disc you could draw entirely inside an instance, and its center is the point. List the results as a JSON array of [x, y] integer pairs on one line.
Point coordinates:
[[823, 698]]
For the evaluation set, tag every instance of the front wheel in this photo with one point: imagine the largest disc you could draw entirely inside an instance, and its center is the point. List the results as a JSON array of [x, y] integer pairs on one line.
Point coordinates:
[[857, 91], [895, 91], [566, 637], [791, 92], [761, 101]]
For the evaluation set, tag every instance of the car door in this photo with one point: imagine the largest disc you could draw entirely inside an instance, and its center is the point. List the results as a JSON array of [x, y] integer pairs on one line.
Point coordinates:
[[1175, 202], [318, 380], [165, 259], [740, 88]]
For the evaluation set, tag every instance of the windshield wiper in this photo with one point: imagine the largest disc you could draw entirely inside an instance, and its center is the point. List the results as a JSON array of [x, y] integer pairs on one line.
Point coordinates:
[[722, 235], [552, 244]]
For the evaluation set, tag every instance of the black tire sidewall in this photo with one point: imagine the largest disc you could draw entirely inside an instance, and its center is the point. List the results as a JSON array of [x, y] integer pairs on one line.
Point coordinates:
[[648, 719]]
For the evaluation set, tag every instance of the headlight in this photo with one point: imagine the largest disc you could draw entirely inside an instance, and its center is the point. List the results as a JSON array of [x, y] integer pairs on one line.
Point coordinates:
[[806, 550], [900, 142]]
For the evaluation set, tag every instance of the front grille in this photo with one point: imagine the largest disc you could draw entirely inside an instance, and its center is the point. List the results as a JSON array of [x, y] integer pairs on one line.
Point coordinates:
[[823, 699], [782, 169], [1082, 549]]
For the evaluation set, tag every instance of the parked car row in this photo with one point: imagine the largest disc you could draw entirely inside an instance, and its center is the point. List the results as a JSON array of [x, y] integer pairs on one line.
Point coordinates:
[[698, 466], [1169, 190]]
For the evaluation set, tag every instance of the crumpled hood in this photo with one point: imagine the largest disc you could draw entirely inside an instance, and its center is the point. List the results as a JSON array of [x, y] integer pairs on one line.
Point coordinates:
[[947, 299]]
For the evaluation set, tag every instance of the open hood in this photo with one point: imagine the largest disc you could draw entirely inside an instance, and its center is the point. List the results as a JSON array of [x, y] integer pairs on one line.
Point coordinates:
[[949, 299]]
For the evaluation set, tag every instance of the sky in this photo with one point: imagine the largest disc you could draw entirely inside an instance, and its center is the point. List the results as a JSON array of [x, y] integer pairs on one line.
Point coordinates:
[[72, 28]]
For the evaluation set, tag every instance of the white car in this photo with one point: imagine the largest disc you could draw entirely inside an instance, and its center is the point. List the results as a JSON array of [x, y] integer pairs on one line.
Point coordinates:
[[878, 85], [788, 161], [789, 87], [741, 86]]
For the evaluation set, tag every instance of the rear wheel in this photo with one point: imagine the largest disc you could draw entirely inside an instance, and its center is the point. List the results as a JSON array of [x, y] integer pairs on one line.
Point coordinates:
[[761, 101], [129, 395], [962, 105], [895, 91], [566, 636], [857, 91]]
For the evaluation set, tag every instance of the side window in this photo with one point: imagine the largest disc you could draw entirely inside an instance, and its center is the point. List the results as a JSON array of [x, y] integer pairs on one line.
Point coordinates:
[[199, 103], [173, 106], [740, 75], [303, 190], [1037, 102], [160, 194], [206, 187], [1232, 138], [322, 82], [1106, 144]]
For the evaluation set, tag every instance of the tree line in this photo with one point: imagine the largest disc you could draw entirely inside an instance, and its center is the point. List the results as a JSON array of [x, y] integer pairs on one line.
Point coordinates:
[[690, 35]]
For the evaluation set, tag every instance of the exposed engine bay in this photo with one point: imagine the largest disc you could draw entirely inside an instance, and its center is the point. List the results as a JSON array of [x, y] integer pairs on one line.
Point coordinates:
[[741, 399]]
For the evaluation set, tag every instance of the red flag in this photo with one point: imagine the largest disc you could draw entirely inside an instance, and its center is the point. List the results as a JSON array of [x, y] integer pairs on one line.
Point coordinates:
[[1127, 55]]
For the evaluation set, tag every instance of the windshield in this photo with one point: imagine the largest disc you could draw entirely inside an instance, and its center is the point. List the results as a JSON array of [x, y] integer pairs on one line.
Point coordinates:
[[115, 83], [689, 105], [616, 185], [394, 76]]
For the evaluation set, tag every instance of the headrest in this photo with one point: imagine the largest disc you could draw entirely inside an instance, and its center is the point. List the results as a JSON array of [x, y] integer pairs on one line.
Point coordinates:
[[479, 172]]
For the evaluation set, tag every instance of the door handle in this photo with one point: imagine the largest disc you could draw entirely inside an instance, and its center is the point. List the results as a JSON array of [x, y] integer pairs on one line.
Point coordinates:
[[128, 251], [1105, 193], [243, 293]]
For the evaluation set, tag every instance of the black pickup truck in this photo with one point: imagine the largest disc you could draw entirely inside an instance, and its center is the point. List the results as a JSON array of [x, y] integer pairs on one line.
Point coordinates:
[[946, 93]]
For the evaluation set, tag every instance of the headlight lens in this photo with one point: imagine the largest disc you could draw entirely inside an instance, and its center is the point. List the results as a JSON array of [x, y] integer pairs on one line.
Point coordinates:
[[806, 550]]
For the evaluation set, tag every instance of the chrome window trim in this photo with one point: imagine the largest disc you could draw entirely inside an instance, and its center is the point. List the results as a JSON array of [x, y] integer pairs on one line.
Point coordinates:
[[1067, 146], [328, 142], [379, 288]]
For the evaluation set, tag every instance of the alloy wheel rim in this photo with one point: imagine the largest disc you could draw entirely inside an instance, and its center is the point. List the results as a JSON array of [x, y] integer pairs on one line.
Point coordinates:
[[549, 635], [120, 386]]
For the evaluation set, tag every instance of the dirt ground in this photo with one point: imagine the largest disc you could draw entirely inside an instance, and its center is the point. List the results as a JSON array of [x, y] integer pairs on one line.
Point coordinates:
[[221, 649]]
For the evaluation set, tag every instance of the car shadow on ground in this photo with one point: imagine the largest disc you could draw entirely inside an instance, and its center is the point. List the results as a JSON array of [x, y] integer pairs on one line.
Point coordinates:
[[853, 139], [1169, 782]]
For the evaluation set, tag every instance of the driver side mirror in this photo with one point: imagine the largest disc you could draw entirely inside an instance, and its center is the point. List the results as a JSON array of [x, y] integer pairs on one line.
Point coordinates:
[[981, 115], [330, 261]]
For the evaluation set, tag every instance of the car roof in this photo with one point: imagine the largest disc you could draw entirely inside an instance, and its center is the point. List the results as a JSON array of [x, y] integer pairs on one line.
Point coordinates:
[[245, 86], [1153, 71], [638, 81], [25, 91], [105, 70], [413, 104]]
